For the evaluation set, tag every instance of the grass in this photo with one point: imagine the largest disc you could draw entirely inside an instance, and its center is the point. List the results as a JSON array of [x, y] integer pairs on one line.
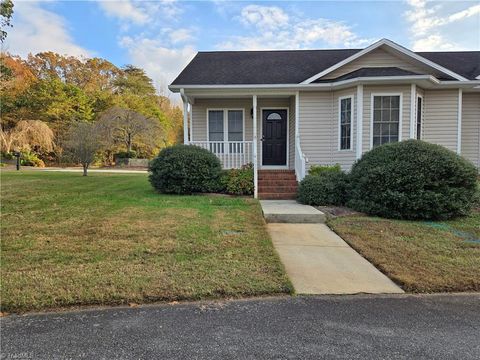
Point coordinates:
[[110, 239], [419, 256]]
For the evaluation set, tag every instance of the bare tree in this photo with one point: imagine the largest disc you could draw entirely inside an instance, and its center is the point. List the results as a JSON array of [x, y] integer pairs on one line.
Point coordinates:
[[119, 125], [82, 142], [27, 134]]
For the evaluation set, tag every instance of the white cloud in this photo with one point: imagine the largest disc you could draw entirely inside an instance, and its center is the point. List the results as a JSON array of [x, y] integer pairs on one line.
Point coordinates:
[[432, 42], [141, 12], [161, 63], [272, 28], [180, 35], [36, 29], [265, 17], [125, 10], [431, 25]]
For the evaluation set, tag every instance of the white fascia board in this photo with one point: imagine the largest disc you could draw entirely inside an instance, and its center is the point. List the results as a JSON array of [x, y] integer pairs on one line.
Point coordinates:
[[393, 46], [289, 89]]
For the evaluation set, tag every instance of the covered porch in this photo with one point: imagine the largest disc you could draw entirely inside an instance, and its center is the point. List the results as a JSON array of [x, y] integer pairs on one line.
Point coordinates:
[[240, 129]]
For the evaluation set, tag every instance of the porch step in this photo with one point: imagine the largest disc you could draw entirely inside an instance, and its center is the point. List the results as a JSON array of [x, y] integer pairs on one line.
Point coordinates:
[[288, 211], [276, 182], [277, 196], [277, 185], [277, 189]]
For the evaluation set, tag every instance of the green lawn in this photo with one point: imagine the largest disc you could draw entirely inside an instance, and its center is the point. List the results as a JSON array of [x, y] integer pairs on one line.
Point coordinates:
[[420, 256], [110, 239]]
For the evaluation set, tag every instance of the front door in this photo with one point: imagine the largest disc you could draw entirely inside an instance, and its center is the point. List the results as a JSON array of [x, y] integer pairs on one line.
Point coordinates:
[[274, 137]]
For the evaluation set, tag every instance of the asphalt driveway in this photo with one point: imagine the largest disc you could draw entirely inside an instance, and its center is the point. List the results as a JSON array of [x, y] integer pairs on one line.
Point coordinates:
[[353, 327]]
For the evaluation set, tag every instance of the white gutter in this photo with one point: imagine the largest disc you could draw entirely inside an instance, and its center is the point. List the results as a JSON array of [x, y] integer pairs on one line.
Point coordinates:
[[330, 85]]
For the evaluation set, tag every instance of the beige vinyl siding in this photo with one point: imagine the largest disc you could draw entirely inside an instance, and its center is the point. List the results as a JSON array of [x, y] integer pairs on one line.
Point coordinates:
[[404, 91], [441, 117], [319, 128], [471, 128], [377, 58]]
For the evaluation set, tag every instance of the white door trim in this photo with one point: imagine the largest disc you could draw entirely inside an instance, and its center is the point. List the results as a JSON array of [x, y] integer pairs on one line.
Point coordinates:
[[275, 167]]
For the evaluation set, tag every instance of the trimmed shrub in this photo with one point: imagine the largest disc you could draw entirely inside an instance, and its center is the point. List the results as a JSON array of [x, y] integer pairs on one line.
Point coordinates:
[[185, 169], [31, 159], [321, 169], [238, 181], [126, 155], [327, 188], [413, 180]]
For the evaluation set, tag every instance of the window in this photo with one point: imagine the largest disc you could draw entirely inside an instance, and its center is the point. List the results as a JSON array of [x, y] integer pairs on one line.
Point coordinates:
[[274, 116], [235, 125], [225, 125], [235, 130], [419, 118], [345, 123], [386, 119], [215, 125]]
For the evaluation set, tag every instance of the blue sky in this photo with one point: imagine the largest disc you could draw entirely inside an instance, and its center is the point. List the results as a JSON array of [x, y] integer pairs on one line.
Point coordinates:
[[163, 36]]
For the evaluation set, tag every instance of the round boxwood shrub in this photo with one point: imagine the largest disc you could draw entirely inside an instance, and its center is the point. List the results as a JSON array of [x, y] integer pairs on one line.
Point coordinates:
[[412, 180], [238, 181], [185, 169], [327, 188]]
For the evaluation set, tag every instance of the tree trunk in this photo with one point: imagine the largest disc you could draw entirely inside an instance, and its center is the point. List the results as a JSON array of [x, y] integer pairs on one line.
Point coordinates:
[[129, 144], [85, 168]]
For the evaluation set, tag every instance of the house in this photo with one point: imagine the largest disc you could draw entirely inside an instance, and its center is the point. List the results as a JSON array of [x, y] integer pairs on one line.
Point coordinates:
[[284, 111]]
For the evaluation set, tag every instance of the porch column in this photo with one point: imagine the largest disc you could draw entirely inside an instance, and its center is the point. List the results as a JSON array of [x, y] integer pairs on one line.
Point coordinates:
[[254, 145], [413, 90], [459, 122], [359, 121], [185, 116]]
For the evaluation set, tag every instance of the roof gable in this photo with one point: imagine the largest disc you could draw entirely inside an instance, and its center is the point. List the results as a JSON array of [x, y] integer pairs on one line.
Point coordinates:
[[392, 48]]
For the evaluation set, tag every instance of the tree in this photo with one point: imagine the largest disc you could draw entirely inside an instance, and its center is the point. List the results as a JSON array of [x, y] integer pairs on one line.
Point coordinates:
[[26, 135], [82, 143], [121, 125], [6, 13], [134, 80]]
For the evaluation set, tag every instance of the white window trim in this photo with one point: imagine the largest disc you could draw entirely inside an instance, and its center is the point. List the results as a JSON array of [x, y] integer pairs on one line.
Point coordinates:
[[225, 122], [352, 109], [422, 117], [400, 114], [280, 167]]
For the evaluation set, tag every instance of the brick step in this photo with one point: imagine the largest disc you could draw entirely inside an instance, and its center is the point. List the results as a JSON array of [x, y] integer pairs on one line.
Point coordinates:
[[277, 189], [277, 182], [277, 196], [277, 177]]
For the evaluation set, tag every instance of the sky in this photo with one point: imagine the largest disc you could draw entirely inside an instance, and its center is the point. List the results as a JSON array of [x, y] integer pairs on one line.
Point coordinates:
[[163, 36]]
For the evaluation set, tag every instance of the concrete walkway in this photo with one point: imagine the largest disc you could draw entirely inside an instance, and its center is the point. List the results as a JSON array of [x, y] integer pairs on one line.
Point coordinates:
[[318, 261], [290, 211]]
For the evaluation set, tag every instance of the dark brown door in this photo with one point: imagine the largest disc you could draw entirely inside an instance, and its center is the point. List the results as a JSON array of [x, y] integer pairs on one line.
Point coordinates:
[[274, 137]]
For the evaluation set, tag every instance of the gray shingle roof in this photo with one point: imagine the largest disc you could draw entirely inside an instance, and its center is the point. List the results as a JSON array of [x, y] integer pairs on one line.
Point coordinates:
[[371, 72], [294, 66]]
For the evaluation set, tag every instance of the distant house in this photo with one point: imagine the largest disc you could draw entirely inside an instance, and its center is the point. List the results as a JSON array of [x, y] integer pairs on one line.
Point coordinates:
[[284, 111]]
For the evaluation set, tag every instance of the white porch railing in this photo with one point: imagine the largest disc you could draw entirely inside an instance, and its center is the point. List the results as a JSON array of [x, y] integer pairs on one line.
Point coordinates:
[[232, 154]]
